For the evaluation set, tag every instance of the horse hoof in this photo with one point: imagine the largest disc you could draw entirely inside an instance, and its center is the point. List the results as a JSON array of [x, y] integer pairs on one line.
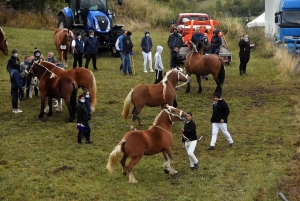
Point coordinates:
[[49, 114], [124, 173], [199, 92], [166, 171], [187, 92]]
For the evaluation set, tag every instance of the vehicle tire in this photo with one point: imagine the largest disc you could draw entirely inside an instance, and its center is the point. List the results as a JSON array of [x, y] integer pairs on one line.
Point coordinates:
[[61, 23]]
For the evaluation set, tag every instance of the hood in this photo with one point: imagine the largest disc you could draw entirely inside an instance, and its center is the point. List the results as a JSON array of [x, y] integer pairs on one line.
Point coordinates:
[[159, 49], [146, 32], [216, 31]]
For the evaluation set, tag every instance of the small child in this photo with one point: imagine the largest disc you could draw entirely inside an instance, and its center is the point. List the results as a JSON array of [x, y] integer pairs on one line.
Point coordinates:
[[158, 64]]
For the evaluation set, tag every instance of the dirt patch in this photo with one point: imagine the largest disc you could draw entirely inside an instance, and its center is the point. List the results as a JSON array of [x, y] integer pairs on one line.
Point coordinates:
[[63, 168]]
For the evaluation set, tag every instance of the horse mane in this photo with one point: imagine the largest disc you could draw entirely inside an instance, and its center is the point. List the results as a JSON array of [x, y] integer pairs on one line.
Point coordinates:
[[165, 79], [157, 117], [52, 75], [1, 34]]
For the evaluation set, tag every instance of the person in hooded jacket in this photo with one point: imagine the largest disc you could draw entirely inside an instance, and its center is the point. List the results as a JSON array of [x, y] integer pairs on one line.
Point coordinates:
[[220, 112], [14, 61], [16, 85], [174, 40], [146, 45], [216, 42], [24, 66], [158, 64], [127, 49], [244, 53]]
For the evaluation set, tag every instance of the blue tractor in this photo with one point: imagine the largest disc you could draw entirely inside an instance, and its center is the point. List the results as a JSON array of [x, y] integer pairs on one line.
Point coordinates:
[[84, 15]]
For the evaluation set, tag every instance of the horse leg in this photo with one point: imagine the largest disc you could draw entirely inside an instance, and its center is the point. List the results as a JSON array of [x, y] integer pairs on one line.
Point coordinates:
[[218, 83], [134, 118], [50, 106], [123, 163], [199, 84], [59, 105], [46, 110], [67, 102], [65, 54], [133, 161], [167, 165], [188, 87], [41, 115]]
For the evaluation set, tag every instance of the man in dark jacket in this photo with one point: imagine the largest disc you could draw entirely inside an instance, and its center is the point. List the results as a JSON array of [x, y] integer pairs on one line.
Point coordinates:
[[176, 59], [219, 120], [197, 38], [189, 140], [14, 61], [78, 49], [16, 85], [146, 45], [216, 43], [244, 53], [174, 40], [91, 48], [127, 49], [83, 121]]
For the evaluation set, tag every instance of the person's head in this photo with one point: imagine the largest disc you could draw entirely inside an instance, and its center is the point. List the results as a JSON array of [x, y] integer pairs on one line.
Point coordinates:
[[197, 30], [78, 35], [124, 32], [175, 29], [14, 52], [81, 98], [189, 116], [217, 96], [216, 32], [55, 61], [147, 33], [36, 52], [50, 55], [91, 33], [206, 31], [86, 93], [159, 49], [129, 33], [27, 59], [245, 36]]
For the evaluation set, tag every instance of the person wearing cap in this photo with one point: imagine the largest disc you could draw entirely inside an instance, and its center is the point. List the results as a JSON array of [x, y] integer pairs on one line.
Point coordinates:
[[16, 83], [174, 40], [119, 47], [220, 112], [91, 49], [13, 62], [127, 49], [78, 49], [216, 42], [146, 45]]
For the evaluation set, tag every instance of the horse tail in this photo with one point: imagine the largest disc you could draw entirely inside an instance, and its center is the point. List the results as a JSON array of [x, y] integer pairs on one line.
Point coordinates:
[[126, 106], [221, 74], [113, 156], [74, 97], [94, 94]]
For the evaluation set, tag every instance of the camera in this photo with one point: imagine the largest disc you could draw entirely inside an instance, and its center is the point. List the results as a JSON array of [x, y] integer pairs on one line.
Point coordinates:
[[201, 40]]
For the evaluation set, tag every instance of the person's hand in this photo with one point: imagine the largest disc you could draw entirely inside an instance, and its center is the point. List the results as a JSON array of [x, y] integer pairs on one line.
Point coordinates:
[[210, 123], [182, 130], [222, 120]]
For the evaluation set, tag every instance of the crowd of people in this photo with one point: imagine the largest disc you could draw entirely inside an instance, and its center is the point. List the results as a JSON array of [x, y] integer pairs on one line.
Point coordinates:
[[89, 49]]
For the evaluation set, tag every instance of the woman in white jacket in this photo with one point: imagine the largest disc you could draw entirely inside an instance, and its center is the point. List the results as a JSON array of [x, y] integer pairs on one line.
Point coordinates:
[[158, 64]]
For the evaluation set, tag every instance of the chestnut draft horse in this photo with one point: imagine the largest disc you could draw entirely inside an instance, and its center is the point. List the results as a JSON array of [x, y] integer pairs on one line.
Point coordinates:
[[153, 95], [3, 42], [52, 86], [158, 138], [62, 42], [199, 65], [84, 78]]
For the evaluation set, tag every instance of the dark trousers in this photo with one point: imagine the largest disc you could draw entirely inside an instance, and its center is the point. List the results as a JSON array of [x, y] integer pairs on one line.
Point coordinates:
[[158, 77], [215, 51], [244, 59], [21, 91], [88, 58], [77, 58], [86, 132], [14, 97]]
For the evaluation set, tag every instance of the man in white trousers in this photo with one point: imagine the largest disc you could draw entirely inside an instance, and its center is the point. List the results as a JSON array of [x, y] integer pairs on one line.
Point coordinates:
[[189, 140], [219, 120], [146, 45]]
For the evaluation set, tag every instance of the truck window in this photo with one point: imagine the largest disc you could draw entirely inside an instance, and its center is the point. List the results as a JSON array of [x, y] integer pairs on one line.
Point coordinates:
[[184, 19], [292, 17]]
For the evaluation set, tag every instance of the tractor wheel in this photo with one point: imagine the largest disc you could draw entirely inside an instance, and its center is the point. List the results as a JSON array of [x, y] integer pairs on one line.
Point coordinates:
[[61, 21]]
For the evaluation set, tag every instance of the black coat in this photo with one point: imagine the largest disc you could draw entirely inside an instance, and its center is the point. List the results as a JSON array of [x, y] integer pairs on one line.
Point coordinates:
[[127, 45], [82, 113], [216, 42], [13, 63], [175, 40], [244, 48], [220, 111], [176, 59], [189, 131]]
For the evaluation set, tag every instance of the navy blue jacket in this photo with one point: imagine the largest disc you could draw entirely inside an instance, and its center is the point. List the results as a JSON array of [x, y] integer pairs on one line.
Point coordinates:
[[82, 113], [13, 62], [146, 44], [88, 107], [196, 38], [91, 45], [15, 79], [79, 45]]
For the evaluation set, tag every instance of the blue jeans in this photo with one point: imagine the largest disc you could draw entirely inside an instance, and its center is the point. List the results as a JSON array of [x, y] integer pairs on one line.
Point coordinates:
[[122, 56], [127, 64]]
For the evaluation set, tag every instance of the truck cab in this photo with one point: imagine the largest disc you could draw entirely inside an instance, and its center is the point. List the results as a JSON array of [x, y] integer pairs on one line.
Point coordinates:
[[288, 20]]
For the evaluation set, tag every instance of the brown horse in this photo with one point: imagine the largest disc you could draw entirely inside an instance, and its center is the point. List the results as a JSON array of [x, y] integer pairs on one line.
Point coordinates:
[[158, 138], [84, 78], [199, 65], [51, 86], [153, 95], [62, 42], [3, 42]]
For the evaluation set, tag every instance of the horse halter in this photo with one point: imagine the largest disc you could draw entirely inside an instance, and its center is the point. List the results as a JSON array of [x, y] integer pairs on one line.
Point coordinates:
[[174, 115], [186, 77]]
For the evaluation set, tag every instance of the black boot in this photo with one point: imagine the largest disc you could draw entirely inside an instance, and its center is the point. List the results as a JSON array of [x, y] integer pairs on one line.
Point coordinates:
[[241, 73], [245, 73]]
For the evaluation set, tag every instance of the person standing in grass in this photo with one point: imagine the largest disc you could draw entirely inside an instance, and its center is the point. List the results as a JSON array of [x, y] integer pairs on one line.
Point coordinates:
[[24, 66], [220, 112], [83, 120], [244, 53], [16, 86], [158, 64], [146, 45], [189, 140], [91, 49], [127, 49], [119, 47], [78, 49]]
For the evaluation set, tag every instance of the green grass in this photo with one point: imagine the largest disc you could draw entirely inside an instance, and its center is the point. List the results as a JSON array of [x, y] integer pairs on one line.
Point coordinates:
[[40, 159]]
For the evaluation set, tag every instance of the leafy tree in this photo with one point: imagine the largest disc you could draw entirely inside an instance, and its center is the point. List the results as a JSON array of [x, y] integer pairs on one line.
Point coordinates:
[[218, 5]]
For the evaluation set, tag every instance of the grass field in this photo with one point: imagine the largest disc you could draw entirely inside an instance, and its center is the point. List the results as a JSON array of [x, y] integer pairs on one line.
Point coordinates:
[[41, 160]]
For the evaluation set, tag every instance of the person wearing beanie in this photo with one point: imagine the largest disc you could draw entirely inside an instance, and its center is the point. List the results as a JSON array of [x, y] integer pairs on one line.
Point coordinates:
[[220, 112], [78, 49], [216, 42], [13, 62], [37, 55], [91, 49], [146, 45], [174, 40]]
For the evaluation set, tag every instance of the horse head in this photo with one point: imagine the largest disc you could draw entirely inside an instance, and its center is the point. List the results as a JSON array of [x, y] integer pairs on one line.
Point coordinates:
[[70, 35], [181, 76], [3, 42], [174, 113], [193, 46]]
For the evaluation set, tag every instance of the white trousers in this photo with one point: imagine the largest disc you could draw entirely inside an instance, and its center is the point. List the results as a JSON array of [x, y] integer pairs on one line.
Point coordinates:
[[215, 131], [147, 56], [190, 148]]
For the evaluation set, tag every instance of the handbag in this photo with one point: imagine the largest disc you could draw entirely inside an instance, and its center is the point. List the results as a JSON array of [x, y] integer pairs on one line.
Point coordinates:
[[80, 127]]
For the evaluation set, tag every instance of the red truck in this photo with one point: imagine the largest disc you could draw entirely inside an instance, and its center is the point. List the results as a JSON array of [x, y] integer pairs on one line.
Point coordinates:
[[187, 22]]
